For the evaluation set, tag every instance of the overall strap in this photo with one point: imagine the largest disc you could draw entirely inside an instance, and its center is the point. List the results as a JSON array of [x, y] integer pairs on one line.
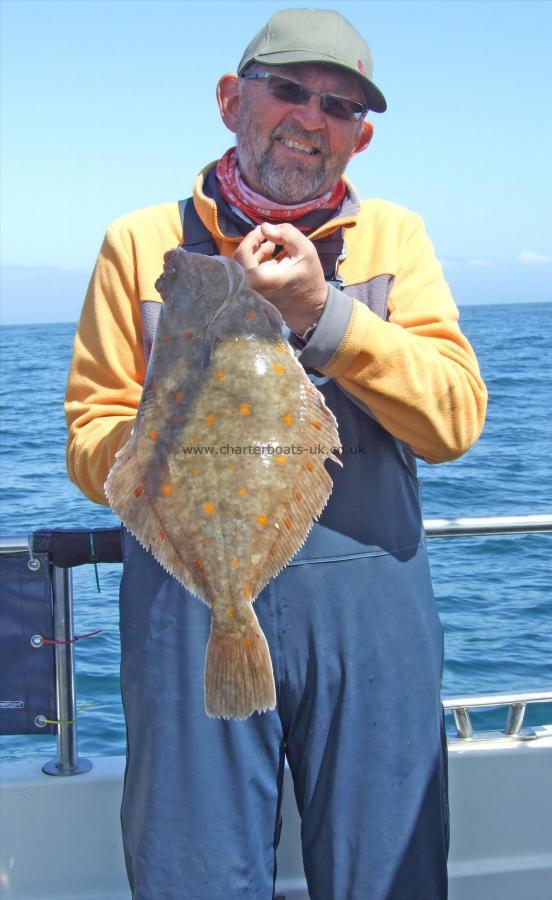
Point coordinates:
[[197, 238], [331, 250]]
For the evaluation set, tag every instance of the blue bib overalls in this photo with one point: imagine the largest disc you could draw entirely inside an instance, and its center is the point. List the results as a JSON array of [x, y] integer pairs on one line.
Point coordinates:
[[357, 651]]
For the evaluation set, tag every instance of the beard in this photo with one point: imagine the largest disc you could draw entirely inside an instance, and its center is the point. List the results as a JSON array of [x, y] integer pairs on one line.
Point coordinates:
[[289, 181]]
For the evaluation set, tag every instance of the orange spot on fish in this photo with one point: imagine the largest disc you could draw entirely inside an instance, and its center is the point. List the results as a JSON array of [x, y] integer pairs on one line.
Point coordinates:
[[195, 470], [316, 425], [209, 420], [251, 315], [153, 435], [245, 409], [178, 397], [219, 375], [206, 541], [247, 642], [230, 612], [262, 520], [247, 590], [309, 466], [281, 459], [242, 492], [287, 522], [280, 348], [233, 563], [288, 420], [198, 563], [162, 534], [188, 335], [278, 367], [298, 496], [138, 490], [208, 508], [167, 490]]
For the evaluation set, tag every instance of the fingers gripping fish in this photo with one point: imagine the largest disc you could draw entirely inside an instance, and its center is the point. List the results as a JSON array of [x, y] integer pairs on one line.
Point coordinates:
[[224, 471]]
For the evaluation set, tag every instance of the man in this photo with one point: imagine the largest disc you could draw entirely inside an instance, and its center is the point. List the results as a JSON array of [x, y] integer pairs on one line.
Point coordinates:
[[351, 623]]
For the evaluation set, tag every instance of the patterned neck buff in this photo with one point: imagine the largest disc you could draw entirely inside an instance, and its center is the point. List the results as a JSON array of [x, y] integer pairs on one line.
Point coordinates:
[[260, 209]]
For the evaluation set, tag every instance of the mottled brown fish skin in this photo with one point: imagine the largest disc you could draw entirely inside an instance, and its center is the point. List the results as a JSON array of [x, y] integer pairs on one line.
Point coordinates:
[[209, 479]]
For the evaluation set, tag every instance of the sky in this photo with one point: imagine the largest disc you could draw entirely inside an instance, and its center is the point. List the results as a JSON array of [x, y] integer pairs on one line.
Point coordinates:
[[109, 106]]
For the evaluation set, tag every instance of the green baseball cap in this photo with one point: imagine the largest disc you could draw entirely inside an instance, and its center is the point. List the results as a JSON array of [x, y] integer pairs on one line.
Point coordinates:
[[315, 36]]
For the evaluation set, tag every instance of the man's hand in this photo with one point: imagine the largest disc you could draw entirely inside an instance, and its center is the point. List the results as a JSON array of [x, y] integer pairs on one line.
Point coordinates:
[[294, 284]]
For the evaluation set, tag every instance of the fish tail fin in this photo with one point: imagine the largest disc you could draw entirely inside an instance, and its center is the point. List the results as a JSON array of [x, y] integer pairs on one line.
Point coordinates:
[[238, 672]]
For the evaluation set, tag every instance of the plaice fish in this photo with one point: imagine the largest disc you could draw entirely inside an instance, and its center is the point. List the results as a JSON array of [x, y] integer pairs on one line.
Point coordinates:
[[224, 471]]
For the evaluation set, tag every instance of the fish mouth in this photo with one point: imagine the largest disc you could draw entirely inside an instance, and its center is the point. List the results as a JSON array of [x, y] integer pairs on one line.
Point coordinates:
[[161, 286], [168, 275]]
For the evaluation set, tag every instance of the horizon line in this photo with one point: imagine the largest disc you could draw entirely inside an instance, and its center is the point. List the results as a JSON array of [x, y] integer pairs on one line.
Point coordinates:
[[459, 305]]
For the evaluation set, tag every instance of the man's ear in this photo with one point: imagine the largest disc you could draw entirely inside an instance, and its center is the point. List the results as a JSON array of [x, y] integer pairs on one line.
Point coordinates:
[[365, 137], [228, 99]]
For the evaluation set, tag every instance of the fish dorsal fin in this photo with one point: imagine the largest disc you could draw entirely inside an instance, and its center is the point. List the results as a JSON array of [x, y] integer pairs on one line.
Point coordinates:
[[127, 493]]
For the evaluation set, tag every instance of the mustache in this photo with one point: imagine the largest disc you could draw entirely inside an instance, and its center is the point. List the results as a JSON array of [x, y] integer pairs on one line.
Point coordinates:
[[294, 132]]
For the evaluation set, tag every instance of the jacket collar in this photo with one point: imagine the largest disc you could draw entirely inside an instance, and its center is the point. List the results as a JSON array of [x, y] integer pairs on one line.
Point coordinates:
[[225, 226]]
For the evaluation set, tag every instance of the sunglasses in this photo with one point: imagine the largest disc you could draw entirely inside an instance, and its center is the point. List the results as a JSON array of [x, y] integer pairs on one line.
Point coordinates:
[[298, 95]]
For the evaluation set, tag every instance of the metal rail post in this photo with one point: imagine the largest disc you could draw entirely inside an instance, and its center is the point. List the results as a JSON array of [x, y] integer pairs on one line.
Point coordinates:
[[67, 761]]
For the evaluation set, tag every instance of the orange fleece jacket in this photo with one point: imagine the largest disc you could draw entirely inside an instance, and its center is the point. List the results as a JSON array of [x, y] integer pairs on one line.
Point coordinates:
[[416, 372]]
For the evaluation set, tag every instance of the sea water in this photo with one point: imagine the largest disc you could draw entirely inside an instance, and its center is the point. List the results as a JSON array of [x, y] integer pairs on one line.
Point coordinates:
[[493, 593]]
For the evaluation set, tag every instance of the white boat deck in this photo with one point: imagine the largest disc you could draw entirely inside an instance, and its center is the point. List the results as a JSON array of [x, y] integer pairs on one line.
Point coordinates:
[[60, 837]]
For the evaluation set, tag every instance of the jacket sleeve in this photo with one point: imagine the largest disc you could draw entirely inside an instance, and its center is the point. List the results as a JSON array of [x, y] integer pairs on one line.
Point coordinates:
[[108, 367], [415, 372]]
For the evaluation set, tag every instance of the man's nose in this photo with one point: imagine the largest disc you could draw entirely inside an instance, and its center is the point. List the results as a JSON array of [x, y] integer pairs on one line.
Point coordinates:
[[310, 115]]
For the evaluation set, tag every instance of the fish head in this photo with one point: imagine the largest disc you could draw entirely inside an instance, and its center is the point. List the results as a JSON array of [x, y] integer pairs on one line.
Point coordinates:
[[210, 292], [191, 280]]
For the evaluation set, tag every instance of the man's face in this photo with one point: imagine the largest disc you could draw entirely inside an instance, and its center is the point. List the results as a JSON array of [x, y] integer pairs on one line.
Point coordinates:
[[295, 153]]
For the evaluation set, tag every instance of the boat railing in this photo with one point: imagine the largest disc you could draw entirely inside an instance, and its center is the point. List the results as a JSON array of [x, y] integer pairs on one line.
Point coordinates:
[[102, 545], [517, 704]]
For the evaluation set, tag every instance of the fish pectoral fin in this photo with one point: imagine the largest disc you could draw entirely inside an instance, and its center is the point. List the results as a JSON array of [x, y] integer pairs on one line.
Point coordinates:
[[238, 671]]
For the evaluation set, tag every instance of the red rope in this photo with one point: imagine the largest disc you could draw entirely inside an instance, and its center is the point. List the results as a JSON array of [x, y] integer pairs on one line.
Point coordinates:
[[78, 637]]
